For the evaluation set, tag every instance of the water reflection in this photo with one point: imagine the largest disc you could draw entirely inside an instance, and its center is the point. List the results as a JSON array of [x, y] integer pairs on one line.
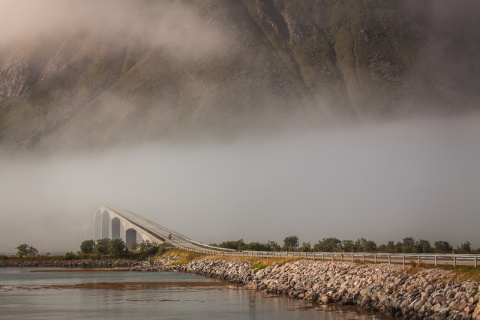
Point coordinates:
[[165, 302], [252, 302]]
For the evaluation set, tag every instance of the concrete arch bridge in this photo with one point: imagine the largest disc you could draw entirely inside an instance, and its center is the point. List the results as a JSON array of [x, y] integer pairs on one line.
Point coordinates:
[[117, 223]]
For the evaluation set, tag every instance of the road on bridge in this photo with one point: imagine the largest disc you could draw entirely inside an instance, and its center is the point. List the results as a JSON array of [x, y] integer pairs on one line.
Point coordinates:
[[162, 233]]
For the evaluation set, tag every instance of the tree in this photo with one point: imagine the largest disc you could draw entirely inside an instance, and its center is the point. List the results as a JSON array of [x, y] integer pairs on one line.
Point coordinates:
[[306, 247], [422, 246], [148, 248], [87, 246], [70, 256], [238, 245], [365, 245], [32, 251], [102, 246], [348, 246], [290, 243], [408, 244], [399, 247], [26, 250], [117, 248], [22, 250], [370, 246], [273, 246], [464, 247], [134, 245], [442, 247], [389, 247], [257, 246], [327, 245]]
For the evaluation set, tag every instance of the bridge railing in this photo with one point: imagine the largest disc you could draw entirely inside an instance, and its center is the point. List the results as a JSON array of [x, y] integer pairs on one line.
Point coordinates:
[[364, 257]]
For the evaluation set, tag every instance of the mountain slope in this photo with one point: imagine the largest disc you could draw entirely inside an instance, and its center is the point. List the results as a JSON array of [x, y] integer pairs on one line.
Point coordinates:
[[150, 70]]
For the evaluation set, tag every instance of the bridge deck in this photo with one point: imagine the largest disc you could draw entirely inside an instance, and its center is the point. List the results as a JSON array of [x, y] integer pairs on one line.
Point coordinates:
[[160, 232]]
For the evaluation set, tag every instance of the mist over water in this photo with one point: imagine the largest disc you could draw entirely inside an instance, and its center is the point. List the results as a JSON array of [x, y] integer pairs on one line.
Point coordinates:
[[416, 178]]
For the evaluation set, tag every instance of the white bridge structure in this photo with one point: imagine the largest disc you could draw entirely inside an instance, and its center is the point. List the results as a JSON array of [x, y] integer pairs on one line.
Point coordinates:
[[117, 223]]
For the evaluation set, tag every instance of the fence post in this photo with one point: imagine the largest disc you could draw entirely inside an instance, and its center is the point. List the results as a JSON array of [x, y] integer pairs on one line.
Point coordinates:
[[363, 258], [403, 259], [418, 260], [436, 261], [475, 261], [353, 256], [454, 261], [375, 258], [323, 257], [389, 259], [342, 256], [314, 256]]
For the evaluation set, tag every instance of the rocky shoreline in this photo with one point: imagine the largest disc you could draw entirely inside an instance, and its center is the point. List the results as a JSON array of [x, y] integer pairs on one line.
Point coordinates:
[[391, 290], [386, 289], [104, 263]]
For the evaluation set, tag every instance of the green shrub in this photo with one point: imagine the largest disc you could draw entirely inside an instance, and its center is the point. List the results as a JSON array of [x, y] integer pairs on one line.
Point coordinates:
[[259, 266], [70, 256]]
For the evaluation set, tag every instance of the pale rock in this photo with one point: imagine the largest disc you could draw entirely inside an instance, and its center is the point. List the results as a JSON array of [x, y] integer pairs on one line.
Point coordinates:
[[476, 312]]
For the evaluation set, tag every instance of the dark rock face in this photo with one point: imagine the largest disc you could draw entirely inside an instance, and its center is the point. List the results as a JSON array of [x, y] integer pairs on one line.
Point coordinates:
[[220, 67]]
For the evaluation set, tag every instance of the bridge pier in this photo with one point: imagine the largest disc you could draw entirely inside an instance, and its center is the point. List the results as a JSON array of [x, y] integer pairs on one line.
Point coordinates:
[[98, 226], [105, 225]]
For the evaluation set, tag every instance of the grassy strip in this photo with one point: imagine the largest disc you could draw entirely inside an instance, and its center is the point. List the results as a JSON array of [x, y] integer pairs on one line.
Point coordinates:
[[256, 262], [183, 257], [180, 256], [460, 273]]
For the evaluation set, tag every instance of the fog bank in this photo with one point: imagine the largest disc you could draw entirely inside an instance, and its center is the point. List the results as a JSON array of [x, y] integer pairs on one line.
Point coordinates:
[[383, 182]]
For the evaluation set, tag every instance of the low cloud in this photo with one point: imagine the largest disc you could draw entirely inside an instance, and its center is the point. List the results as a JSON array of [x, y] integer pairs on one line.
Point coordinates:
[[169, 26], [384, 182]]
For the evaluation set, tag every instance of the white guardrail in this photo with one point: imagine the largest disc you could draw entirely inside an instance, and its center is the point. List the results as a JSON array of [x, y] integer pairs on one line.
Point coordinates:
[[399, 258]]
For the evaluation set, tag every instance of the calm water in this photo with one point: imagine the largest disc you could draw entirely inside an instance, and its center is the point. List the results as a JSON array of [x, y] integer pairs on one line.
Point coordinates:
[[139, 295]]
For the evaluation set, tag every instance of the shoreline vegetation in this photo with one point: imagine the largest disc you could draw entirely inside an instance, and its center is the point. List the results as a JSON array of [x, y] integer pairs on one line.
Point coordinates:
[[411, 292]]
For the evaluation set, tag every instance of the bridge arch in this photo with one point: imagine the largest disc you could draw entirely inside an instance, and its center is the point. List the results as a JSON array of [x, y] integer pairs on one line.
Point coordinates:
[[131, 235], [116, 227]]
